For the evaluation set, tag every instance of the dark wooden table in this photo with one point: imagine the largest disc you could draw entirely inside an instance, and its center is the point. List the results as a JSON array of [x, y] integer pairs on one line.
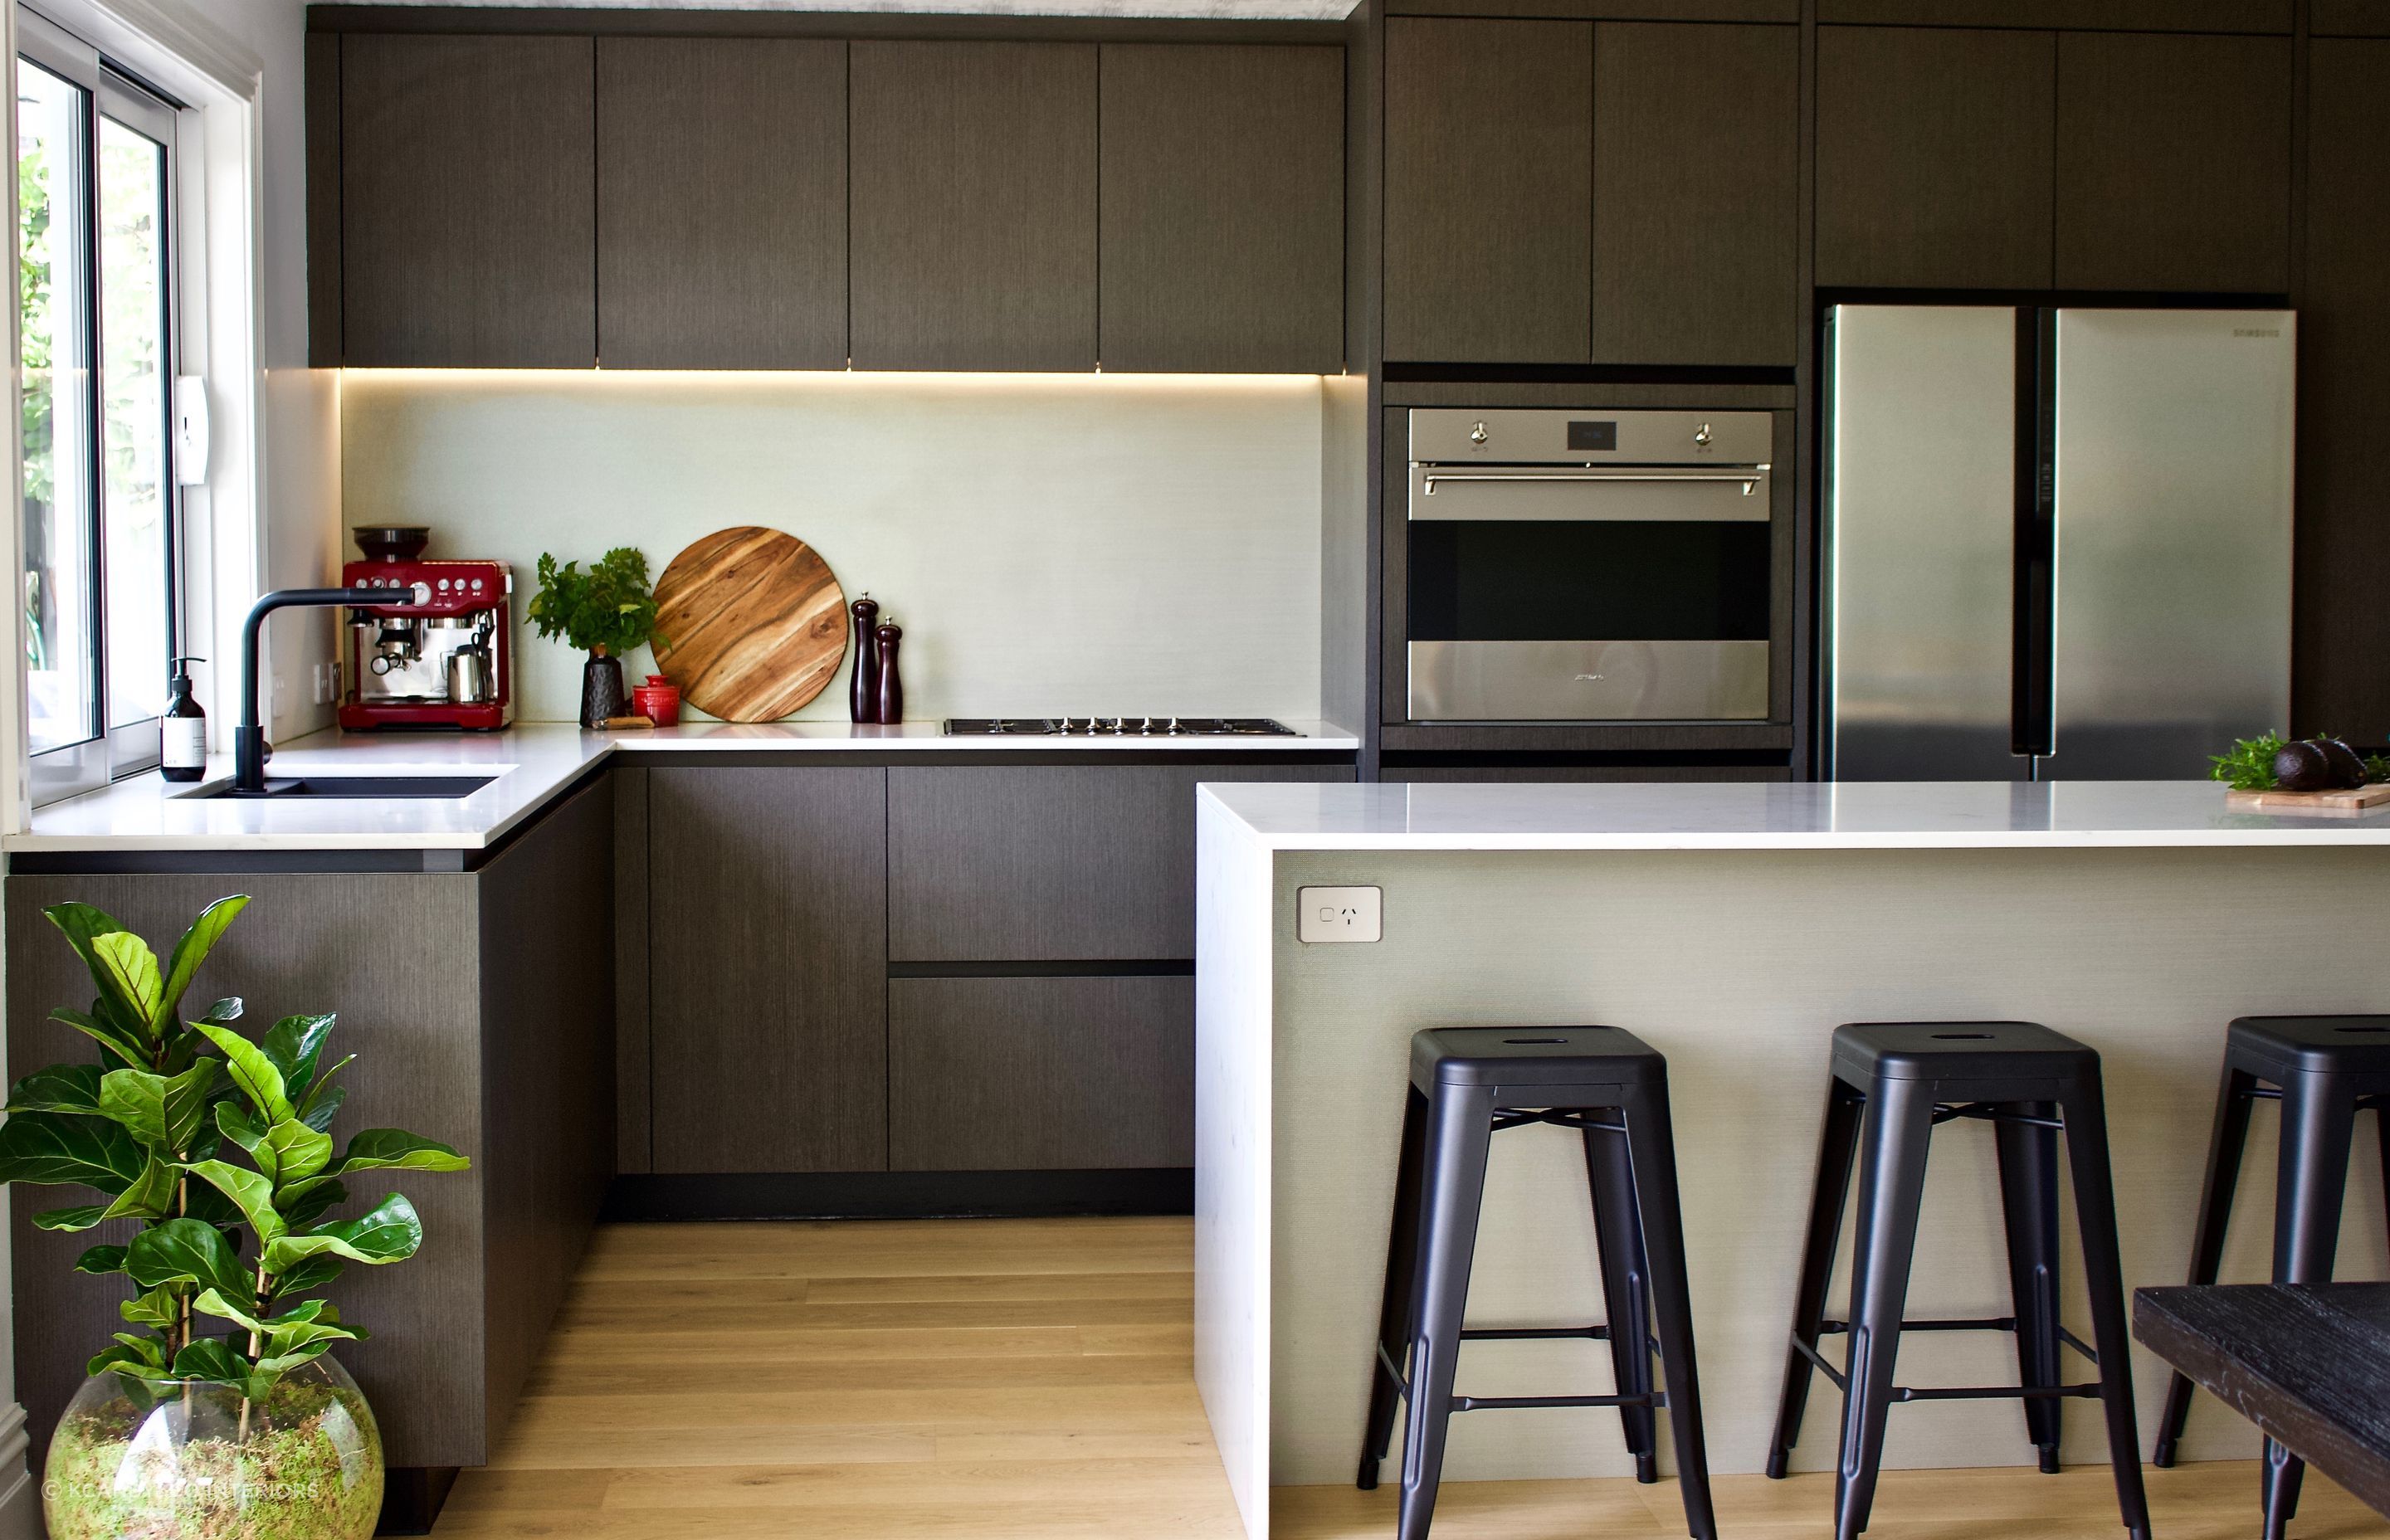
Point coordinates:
[[2310, 1364]]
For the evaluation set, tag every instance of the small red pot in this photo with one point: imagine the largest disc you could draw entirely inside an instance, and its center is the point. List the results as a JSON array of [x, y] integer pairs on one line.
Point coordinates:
[[658, 700]]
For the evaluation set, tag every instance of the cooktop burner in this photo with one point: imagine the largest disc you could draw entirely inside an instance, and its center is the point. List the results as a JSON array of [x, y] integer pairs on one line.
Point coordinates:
[[1118, 726]]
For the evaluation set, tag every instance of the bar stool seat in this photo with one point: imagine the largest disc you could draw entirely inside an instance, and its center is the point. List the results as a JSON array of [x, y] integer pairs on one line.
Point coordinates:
[[1467, 1084], [2324, 1070], [1891, 1083]]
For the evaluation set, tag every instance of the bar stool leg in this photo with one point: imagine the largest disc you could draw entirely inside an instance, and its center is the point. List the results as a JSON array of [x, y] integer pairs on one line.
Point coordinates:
[[1459, 1129], [2028, 1157], [1836, 1148], [2225, 1145], [1626, 1267], [2103, 1275], [1652, 1149], [2318, 1125], [1394, 1306], [1894, 1136]]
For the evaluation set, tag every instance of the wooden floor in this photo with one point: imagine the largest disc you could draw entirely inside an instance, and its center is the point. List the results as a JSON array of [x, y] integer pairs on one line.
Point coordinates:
[[1004, 1379]]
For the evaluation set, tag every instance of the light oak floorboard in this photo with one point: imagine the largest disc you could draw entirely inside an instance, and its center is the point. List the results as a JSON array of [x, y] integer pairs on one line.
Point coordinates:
[[1031, 1379]]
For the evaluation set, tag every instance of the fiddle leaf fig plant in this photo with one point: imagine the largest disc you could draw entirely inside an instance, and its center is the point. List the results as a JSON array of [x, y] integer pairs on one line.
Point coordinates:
[[216, 1148]]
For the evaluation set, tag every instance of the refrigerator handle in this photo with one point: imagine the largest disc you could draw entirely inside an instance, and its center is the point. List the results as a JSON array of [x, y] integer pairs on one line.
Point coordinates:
[[2033, 731]]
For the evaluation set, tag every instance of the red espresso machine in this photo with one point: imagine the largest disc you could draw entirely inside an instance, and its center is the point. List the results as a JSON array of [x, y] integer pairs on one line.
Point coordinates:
[[446, 662]]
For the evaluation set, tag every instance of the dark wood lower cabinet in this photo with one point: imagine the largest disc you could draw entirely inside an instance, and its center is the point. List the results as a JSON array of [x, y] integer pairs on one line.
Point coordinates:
[[1040, 1074]]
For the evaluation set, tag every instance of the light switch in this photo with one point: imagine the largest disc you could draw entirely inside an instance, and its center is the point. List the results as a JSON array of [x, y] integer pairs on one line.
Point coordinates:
[[1339, 914]]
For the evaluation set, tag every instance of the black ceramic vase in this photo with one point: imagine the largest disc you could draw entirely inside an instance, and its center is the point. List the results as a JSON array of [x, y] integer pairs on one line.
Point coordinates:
[[601, 689]]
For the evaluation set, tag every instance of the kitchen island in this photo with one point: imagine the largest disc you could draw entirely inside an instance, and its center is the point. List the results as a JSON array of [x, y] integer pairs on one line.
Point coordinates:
[[1732, 927]]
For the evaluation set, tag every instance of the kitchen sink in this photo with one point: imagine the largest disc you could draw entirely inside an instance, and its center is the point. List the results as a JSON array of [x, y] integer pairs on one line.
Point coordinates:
[[364, 787]]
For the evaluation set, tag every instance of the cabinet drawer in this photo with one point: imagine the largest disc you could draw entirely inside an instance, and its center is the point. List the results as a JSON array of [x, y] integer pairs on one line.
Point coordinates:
[[1040, 1074], [1045, 861]]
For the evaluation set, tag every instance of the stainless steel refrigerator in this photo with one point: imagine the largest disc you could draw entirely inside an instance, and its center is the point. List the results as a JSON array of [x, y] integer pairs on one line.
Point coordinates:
[[2058, 542]]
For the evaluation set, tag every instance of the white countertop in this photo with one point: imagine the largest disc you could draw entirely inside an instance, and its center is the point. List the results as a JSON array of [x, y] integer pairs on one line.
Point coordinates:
[[529, 761], [1780, 816]]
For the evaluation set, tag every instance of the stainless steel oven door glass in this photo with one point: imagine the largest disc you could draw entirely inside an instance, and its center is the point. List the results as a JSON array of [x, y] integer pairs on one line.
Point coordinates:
[[1590, 565]]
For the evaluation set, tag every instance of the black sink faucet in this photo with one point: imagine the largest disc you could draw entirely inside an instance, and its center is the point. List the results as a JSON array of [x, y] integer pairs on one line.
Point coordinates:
[[248, 736]]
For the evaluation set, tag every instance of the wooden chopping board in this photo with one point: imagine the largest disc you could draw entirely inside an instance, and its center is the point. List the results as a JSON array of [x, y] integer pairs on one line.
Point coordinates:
[[2343, 804], [757, 622]]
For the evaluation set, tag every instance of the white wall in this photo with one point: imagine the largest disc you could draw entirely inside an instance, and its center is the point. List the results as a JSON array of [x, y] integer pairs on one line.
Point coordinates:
[[1053, 544]]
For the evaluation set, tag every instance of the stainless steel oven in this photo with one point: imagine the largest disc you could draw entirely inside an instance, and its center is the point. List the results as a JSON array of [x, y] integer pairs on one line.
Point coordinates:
[[1588, 566]]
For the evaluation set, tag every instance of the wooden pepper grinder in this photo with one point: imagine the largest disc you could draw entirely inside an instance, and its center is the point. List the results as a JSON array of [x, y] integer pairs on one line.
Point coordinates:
[[863, 687], [892, 684]]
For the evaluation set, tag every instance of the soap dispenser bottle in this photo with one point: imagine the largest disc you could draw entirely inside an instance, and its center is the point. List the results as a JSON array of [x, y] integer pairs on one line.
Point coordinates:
[[183, 732]]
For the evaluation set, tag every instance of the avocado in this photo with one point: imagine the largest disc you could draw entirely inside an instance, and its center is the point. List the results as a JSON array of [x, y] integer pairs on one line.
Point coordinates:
[[2348, 770], [2301, 767]]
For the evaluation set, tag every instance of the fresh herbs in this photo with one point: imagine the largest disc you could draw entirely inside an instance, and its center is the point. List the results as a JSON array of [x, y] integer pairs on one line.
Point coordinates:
[[608, 608], [2249, 767], [216, 1146]]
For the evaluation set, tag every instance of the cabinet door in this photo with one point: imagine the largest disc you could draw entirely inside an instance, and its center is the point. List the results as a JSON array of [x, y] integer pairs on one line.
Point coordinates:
[[1040, 1074], [468, 219], [2174, 162], [721, 203], [1223, 208], [2343, 527], [974, 205], [1049, 862], [1696, 193], [767, 937], [1489, 190], [1934, 158]]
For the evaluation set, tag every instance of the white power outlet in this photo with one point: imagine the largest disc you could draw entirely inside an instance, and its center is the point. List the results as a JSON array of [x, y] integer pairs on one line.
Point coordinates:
[[322, 683], [1323, 915]]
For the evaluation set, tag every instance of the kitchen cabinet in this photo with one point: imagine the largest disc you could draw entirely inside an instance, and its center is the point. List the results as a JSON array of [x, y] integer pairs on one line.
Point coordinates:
[[1696, 194], [1041, 1073], [767, 927], [1049, 862], [1489, 190], [2174, 162], [1934, 157], [467, 206], [973, 226], [1222, 199], [721, 203], [2342, 627]]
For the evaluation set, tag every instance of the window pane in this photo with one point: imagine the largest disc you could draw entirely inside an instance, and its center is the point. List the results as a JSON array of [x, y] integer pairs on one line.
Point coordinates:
[[133, 370], [53, 300]]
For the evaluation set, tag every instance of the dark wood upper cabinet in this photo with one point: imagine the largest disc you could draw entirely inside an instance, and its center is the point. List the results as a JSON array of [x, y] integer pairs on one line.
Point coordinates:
[[1489, 190], [767, 933], [2174, 162], [1934, 157], [1696, 194], [1223, 208], [721, 203], [2343, 628], [468, 208], [974, 205]]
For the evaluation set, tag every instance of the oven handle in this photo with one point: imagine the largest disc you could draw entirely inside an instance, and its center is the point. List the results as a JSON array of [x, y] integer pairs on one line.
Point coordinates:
[[1750, 478]]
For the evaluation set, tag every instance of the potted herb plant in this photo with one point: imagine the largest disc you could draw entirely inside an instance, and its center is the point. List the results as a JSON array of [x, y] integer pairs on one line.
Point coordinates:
[[606, 611], [219, 1413]]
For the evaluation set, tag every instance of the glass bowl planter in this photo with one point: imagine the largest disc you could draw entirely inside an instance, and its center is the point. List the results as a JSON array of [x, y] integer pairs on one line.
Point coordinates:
[[192, 1462]]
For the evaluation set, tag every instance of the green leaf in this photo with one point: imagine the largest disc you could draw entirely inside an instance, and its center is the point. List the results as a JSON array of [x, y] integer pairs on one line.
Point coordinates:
[[188, 1250], [46, 1148], [212, 1302], [299, 1151], [148, 1197], [101, 1260], [223, 1010], [192, 951], [323, 1105], [394, 1148], [68, 1088], [167, 1111], [250, 1192], [83, 924], [212, 1360], [294, 1044], [71, 1220], [314, 1272], [317, 1321], [390, 1233], [129, 970], [131, 1352], [251, 1070], [239, 1127], [107, 1033], [159, 1308]]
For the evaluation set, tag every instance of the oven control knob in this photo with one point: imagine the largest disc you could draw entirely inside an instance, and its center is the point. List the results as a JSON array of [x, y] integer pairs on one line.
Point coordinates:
[[1701, 434], [1477, 434]]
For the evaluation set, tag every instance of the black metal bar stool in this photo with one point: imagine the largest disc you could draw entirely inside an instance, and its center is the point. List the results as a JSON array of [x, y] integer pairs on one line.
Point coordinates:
[[1892, 1082], [2324, 1070], [1467, 1084]]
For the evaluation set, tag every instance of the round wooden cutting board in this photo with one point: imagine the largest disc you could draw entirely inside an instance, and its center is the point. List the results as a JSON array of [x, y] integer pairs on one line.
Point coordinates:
[[757, 623]]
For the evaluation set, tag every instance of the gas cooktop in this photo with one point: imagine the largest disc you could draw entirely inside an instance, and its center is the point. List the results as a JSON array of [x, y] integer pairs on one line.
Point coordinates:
[[1117, 727]]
